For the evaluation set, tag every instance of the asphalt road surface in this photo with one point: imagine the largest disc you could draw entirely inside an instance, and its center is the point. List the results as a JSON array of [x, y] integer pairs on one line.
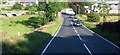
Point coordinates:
[[70, 40]]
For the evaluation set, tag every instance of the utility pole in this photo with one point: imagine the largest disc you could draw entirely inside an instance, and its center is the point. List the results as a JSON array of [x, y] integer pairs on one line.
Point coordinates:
[[77, 9]]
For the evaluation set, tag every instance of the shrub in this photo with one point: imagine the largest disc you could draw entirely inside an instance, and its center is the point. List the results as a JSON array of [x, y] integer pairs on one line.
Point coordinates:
[[17, 6], [2, 8], [93, 17]]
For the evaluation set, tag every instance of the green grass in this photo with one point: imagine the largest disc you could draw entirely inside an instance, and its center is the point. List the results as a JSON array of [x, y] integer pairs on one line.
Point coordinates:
[[6, 8], [9, 25], [29, 41], [52, 29]]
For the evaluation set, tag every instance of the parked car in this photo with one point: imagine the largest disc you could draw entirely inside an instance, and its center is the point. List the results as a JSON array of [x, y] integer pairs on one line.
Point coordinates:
[[77, 23]]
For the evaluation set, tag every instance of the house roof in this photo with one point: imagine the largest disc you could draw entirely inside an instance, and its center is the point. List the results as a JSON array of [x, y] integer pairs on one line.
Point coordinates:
[[112, 2]]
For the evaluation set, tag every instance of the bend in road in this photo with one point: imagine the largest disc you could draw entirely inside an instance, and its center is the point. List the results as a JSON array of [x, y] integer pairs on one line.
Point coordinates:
[[80, 40]]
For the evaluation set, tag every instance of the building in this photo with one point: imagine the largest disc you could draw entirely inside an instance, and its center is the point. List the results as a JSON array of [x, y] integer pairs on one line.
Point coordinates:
[[10, 3], [87, 9], [113, 7], [29, 2]]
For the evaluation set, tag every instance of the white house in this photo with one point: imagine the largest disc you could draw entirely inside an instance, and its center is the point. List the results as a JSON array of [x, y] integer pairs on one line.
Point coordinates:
[[87, 9], [29, 2], [113, 5], [10, 3]]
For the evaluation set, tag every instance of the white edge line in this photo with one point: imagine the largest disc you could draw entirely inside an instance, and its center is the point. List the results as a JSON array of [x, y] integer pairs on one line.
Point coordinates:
[[87, 49], [103, 38], [52, 38]]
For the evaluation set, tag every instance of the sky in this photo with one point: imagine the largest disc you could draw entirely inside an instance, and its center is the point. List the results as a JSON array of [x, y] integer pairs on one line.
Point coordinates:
[[65, 0]]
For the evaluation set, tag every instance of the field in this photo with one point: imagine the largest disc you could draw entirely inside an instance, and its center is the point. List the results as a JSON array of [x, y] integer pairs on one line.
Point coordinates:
[[5, 8], [19, 38]]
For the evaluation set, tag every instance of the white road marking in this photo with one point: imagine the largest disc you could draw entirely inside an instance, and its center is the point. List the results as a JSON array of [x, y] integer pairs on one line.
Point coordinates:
[[87, 49], [74, 28], [79, 37], [81, 40], [71, 22], [76, 31], [52, 39], [102, 38]]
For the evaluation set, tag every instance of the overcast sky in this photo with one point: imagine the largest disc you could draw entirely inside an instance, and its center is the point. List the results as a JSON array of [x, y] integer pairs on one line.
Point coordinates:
[[65, 0]]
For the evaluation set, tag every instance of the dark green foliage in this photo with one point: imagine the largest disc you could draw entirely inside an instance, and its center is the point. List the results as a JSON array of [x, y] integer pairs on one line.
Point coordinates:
[[50, 10], [93, 17], [109, 14], [33, 7], [48, 15], [17, 6], [31, 45], [108, 30], [111, 26], [34, 22], [113, 30], [78, 7]]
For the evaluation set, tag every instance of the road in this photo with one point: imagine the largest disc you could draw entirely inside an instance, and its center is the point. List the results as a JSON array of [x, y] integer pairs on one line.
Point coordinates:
[[70, 40]]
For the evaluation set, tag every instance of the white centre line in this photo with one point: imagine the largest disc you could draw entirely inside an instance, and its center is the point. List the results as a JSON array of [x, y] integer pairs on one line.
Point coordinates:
[[81, 40], [79, 37], [76, 31], [74, 28], [87, 49]]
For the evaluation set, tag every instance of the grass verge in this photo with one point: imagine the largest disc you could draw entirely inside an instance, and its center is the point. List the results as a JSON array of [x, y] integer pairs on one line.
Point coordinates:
[[18, 38]]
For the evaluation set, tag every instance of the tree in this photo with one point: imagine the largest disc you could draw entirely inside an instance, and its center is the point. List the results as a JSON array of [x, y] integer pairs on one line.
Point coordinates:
[[32, 7], [93, 17], [50, 9], [78, 7], [17, 6], [4, 2]]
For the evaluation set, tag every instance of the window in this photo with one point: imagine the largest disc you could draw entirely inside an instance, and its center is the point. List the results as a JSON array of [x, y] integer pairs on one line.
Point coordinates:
[[110, 4], [116, 4]]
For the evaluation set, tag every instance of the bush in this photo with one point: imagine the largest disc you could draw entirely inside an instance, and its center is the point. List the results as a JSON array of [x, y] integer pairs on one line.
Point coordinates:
[[2, 8], [93, 17], [17, 6]]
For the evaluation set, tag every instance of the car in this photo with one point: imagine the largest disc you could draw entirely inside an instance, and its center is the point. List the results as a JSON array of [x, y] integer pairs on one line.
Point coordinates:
[[71, 18], [69, 11], [77, 23], [74, 19]]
